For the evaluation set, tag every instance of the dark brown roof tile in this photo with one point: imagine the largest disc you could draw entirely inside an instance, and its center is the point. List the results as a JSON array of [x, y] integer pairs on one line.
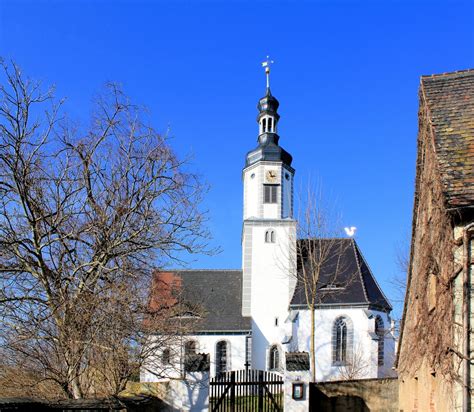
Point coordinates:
[[450, 101]]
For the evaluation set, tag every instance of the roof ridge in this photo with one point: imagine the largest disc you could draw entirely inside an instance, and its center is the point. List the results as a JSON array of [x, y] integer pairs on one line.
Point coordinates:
[[373, 277], [360, 271], [327, 238], [199, 270], [447, 74]]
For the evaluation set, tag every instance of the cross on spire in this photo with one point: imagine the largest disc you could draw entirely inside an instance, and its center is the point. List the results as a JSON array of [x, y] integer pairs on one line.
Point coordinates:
[[267, 63]]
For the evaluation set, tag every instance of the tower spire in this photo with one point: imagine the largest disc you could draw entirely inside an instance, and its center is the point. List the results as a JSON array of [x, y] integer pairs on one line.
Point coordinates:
[[267, 63]]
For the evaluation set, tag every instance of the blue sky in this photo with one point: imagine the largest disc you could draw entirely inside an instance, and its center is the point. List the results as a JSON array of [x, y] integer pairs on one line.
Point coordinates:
[[346, 75]]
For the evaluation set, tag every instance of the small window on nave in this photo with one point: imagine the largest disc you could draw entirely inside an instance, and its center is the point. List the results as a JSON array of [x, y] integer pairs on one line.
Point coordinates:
[[190, 347], [166, 357], [222, 356], [274, 358]]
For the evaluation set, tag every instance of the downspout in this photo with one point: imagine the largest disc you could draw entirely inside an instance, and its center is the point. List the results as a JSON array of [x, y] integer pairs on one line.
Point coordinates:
[[466, 307]]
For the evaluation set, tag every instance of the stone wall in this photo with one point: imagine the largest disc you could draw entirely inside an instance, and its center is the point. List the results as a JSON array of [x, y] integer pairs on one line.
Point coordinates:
[[180, 395], [122, 404], [425, 392], [425, 362], [366, 395]]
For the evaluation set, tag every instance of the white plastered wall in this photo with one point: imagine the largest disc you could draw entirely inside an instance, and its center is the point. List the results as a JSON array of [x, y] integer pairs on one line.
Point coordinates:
[[205, 344], [364, 346], [272, 284], [253, 181]]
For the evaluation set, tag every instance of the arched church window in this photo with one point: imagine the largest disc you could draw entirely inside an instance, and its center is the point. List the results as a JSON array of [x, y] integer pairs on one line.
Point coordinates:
[[270, 124], [221, 356], [380, 332], [264, 125], [190, 347], [274, 358], [341, 340], [166, 357], [270, 236]]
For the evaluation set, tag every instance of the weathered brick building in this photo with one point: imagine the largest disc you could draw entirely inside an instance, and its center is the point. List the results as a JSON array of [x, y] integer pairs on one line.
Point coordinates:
[[436, 341]]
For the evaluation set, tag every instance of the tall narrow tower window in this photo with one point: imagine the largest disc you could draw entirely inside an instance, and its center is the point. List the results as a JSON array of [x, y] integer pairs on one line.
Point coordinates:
[[270, 125], [270, 194], [264, 125]]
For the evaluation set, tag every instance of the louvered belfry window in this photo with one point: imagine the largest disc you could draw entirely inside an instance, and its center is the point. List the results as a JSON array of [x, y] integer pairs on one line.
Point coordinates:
[[270, 193]]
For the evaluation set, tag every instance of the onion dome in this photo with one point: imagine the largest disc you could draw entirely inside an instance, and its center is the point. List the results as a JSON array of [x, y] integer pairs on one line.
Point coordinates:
[[268, 105], [268, 148]]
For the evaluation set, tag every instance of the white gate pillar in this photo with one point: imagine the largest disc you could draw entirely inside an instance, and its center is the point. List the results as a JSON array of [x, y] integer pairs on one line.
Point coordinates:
[[296, 389]]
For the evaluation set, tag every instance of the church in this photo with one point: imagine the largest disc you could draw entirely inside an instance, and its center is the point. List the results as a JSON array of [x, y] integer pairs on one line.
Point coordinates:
[[259, 317]]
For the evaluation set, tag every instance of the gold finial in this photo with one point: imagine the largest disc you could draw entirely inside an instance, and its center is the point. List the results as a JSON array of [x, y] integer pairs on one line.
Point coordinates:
[[267, 64]]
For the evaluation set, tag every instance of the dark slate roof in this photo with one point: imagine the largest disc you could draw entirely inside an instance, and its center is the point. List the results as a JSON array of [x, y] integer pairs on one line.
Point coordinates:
[[345, 278], [268, 104], [269, 150], [219, 294], [450, 101], [297, 361]]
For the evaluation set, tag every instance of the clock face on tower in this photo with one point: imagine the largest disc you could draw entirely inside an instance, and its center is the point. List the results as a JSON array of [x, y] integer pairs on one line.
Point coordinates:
[[271, 176]]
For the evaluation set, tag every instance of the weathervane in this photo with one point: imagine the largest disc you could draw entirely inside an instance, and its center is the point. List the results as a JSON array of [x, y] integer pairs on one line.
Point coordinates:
[[267, 64]]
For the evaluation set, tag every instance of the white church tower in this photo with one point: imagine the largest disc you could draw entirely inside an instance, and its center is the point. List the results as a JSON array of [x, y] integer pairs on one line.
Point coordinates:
[[268, 237]]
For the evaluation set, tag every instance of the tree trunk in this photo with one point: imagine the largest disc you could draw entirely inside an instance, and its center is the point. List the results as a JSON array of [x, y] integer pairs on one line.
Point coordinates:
[[74, 384], [76, 388], [312, 345]]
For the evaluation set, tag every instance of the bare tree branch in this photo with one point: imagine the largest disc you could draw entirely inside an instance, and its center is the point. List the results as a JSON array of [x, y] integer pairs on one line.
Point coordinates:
[[86, 214]]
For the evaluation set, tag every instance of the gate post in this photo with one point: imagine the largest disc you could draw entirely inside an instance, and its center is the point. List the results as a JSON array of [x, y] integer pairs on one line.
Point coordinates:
[[232, 391], [260, 391], [292, 403]]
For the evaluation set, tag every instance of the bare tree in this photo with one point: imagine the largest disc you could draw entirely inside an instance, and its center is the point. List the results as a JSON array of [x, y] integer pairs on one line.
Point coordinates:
[[85, 214], [399, 280], [356, 365], [319, 257]]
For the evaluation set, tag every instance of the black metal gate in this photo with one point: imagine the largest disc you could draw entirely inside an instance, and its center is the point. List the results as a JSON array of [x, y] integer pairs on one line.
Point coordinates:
[[241, 391]]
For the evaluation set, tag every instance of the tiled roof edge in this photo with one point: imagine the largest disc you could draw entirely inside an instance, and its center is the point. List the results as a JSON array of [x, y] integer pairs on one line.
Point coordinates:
[[220, 331], [373, 277], [447, 74], [198, 270], [360, 270]]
